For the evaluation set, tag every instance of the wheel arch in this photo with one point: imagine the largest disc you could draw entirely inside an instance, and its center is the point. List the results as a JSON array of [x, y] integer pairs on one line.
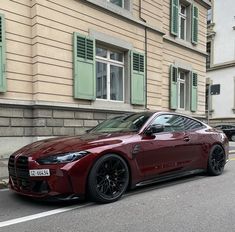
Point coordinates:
[[210, 171], [123, 156]]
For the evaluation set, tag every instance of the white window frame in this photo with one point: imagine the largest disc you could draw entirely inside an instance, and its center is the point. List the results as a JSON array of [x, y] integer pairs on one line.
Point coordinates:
[[182, 81], [184, 16], [110, 62]]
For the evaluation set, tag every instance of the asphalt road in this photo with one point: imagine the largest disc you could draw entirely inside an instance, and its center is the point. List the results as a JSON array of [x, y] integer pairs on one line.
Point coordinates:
[[196, 203]]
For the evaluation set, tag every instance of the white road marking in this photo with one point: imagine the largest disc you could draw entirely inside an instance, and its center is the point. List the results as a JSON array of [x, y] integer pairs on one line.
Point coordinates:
[[4, 190], [41, 215]]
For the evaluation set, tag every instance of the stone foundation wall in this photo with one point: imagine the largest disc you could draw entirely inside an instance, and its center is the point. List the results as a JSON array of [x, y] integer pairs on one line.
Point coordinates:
[[16, 122], [22, 125]]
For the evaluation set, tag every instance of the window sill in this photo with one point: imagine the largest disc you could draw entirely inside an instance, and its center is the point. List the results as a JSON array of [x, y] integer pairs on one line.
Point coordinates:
[[185, 44], [126, 12], [112, 105], [185, 112], [123, 12]]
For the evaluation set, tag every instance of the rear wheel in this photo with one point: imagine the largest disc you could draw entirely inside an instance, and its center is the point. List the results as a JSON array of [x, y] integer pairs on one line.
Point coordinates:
[[216, 161], [108, 179]]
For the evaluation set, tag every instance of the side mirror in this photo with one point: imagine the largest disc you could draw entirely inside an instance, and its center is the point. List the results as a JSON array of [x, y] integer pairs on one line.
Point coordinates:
[[88, 130], [153, 129]]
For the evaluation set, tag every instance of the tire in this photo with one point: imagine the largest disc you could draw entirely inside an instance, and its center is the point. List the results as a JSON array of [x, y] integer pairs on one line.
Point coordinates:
[[108, 179], [216, 161]]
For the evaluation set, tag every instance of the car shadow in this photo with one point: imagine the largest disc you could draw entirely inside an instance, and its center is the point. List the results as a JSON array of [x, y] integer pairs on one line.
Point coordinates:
[[43, 202], [166, 183], [138, 190]]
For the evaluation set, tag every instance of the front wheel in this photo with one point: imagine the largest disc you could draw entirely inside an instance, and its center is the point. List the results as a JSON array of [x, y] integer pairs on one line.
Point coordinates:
[[216, 161], [108, 179]]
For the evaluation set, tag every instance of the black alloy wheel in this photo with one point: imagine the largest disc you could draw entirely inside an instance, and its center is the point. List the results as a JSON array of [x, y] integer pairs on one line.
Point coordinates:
[[108, 179], [216, 161]]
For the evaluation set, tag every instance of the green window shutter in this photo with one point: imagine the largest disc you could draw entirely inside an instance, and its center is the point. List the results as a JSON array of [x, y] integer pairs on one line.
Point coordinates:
[[174, 17], [3, 87], [138, 78], [173, 87], [194, 89], [84, 67], [195, 14]]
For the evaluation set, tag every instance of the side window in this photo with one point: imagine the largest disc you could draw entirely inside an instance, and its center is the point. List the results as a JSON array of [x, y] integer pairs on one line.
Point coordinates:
[[190, 124], [170, 122]]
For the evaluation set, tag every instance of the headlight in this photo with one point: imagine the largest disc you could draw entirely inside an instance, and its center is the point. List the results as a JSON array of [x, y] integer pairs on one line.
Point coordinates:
[[62, 158]]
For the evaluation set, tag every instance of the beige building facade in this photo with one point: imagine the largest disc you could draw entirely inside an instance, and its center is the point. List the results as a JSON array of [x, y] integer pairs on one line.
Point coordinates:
[[68, 65]]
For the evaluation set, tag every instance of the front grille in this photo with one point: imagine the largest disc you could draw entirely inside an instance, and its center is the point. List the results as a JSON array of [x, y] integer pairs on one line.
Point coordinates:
[[19, 172]]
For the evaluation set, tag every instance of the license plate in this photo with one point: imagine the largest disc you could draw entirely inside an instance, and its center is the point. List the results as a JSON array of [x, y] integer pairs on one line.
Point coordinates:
[[39, 172]]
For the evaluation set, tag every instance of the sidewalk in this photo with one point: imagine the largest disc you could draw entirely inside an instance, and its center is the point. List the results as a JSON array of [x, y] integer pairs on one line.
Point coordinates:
[[3, 173]]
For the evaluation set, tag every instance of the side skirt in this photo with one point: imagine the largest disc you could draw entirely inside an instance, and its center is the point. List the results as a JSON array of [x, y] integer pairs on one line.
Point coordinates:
[[169, 177]]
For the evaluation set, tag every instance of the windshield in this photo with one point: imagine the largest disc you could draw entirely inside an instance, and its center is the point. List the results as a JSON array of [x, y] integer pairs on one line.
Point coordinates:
[[125, 123]]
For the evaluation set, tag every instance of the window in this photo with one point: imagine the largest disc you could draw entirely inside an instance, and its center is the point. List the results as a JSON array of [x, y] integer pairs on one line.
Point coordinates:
[[127, 122], [208, 58], [184, 20], [117, 2], [183, 89], [175, 123], [2, 54], [100, 73], [170, 122], [190, 124], [122, 7], [207, 93], [109, 74], [209, 16]]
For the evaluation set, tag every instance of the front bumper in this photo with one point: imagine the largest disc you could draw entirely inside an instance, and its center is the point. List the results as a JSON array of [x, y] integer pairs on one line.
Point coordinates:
[[66, 181], [41, 187]]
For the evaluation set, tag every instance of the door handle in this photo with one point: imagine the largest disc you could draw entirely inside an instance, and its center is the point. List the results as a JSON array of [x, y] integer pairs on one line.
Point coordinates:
[[186, 139]]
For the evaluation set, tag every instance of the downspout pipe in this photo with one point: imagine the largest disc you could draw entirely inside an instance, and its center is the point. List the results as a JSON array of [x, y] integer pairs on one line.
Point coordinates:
[[146, 48]]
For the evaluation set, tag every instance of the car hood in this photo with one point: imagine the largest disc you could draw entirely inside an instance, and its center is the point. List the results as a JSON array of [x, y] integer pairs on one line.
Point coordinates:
[[61, 145]]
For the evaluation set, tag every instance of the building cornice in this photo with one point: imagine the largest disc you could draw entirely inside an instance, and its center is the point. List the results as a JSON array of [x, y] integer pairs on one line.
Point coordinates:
[[221, 66]]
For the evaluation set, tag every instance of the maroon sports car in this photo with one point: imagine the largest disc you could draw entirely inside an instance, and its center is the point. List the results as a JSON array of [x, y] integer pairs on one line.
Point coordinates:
[[124, 152]]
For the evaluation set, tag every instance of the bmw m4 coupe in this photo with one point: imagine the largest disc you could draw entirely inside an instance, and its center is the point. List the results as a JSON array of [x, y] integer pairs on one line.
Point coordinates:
[[124, 152]]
